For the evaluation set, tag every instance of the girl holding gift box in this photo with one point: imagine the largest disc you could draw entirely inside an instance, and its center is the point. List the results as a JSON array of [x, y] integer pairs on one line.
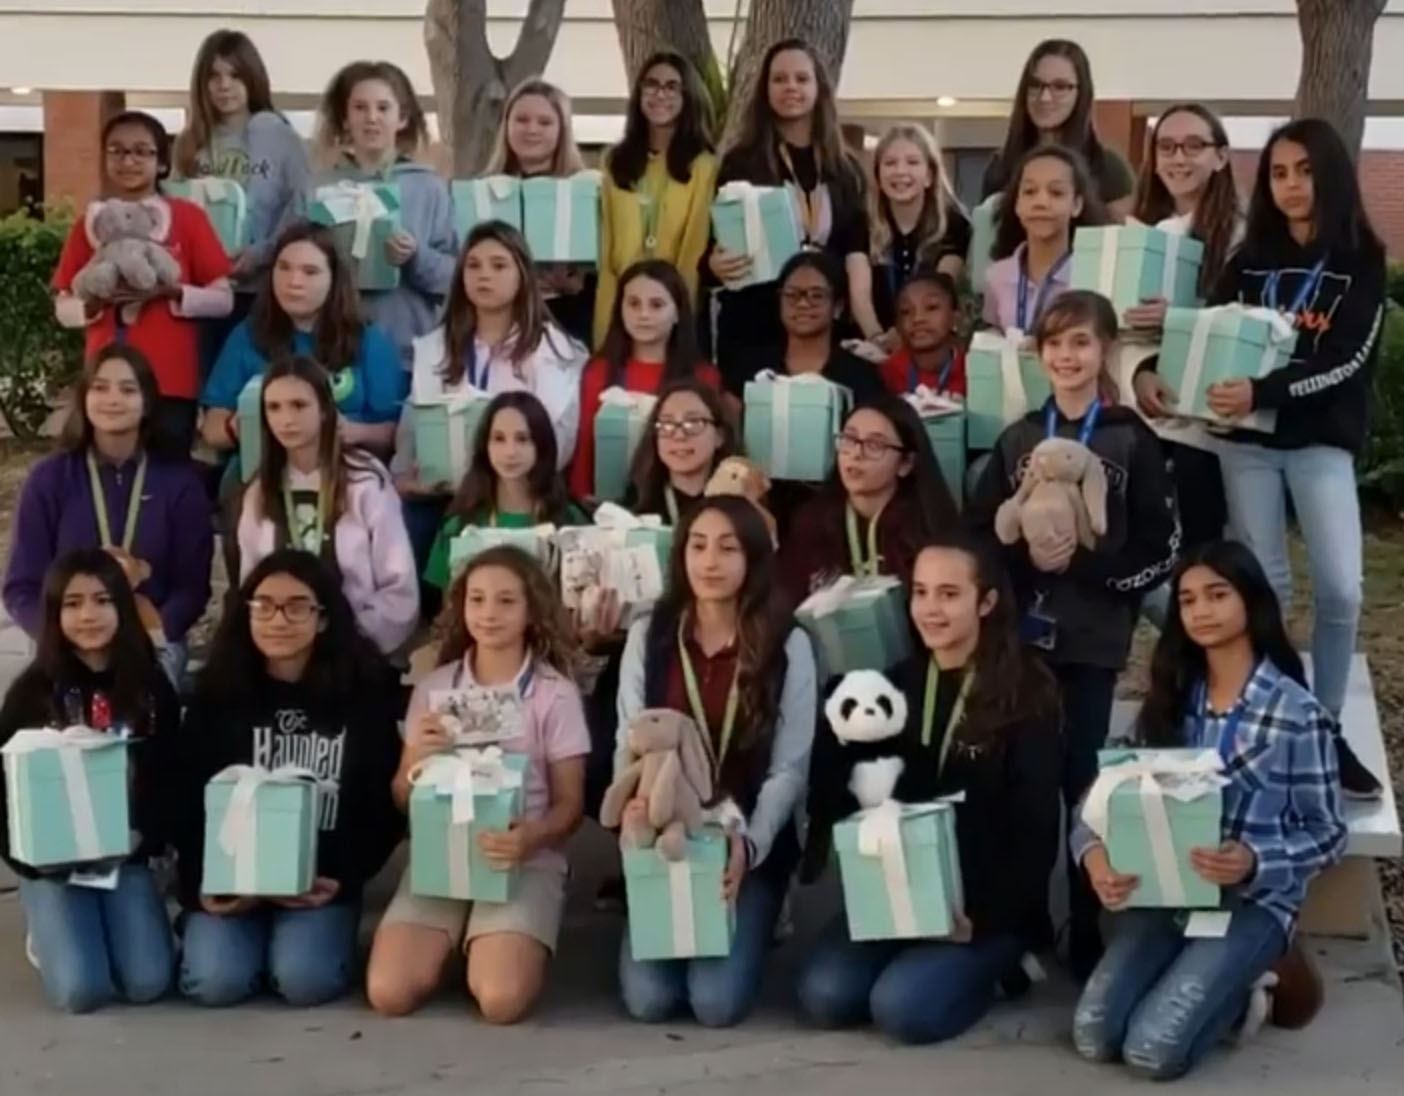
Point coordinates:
[[1053, 106], [1225, 676], [370, 120], [930, 354], [95, 667], [652, 340], [1079, 605], [338, 503], [114, 486], [159, 322], [658, 182], [506, 629], [791, 138], [690, 432], [291, 681], [884, 500], [536, 139], [722, 648], [982, 719], [512, 482]]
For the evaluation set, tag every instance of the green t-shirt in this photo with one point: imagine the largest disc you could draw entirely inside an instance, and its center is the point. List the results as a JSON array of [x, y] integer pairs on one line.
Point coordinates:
[[436, 570]]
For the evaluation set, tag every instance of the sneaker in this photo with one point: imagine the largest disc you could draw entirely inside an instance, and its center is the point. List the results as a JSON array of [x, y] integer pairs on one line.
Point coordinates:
[[1260, 1004], [1357, 782], [610, 897]]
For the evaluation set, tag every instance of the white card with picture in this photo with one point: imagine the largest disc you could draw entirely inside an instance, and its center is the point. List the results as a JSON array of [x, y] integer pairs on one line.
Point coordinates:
[[478, 715]]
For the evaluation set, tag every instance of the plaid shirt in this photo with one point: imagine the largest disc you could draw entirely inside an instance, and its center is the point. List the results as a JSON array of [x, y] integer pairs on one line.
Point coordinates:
[[1283, 799]]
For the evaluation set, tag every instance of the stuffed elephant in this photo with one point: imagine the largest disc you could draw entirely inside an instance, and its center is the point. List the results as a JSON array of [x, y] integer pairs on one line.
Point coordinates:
[[671, 770], [129, 252], [1063, 493]]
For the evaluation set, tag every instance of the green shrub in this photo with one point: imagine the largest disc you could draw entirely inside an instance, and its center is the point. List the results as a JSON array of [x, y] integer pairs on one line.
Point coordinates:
[[37, 357], [1394, 286], [1381, 467]]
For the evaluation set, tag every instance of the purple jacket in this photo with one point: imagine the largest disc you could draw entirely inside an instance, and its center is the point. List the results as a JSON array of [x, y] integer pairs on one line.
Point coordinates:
[[173, 534]]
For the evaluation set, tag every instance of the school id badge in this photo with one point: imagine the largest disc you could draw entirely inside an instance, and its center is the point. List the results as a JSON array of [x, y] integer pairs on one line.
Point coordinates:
[[1039, 628]]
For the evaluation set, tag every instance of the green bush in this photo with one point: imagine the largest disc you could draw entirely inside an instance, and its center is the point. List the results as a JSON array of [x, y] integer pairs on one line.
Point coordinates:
[[1395, 283], [1382, 463], [37, 357]]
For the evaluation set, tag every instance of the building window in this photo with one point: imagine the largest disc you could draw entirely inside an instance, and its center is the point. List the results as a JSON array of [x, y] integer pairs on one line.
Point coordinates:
[[21, 171], [970, 167]]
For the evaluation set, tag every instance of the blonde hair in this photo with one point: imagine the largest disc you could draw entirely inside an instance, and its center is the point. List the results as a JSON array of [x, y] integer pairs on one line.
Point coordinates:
[[566, 160], [940, 198]]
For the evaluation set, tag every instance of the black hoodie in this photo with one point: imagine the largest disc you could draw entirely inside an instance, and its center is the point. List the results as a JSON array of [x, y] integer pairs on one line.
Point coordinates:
[[351, 743]]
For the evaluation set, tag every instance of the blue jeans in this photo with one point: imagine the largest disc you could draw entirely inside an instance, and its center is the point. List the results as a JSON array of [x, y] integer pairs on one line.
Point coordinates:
[[1321, 480], [916, 992], [95, 947], [307, 956], [719, 992], [1160, 1001]]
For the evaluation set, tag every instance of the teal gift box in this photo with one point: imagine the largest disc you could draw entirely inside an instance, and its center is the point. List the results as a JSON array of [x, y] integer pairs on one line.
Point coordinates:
[[491, 198], [250, 414], [900, 872], [790, 424], [857, 624], [676, 909], [1004, 382], [657, 537], [1150, 808], [66, 796], [444, 433], [225, 203], [261, 831], [1131, 264], [1205, 346], [561, 218], [362, 217], [537, 542], [455, 797], [759, 221], [620, 423], [983, 221], [943, 420]]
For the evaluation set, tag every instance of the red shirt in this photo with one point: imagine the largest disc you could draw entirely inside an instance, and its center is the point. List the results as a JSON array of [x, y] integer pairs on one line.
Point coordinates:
[[897, 374], [169, 342], [638, 377], [714, 677]]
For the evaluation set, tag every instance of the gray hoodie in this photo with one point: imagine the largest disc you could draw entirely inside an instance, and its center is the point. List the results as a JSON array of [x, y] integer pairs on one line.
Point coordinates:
[[426, 213]]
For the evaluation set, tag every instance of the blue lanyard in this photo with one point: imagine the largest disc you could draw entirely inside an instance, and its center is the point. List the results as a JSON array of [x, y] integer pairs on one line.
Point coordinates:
[[941, 380], [1089, 421], [1304, 294], [1229, 731], [1022, 318], [478, 381]]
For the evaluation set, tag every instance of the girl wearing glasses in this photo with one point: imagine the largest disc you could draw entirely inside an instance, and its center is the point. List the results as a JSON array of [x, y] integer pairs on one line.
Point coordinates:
[[652, 340], [658, 182], [336, 502], [722, 648], [982, 718], [291, 680], [884, 500], [136, 156], [94, 666], [1078, 605], [692, 432], [1053, 106]]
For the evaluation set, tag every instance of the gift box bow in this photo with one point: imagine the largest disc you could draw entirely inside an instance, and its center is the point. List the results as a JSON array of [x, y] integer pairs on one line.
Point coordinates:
[[208, 190], [930, 403], [1014, 398], [70, 743], [238, 831], [880, 835], [463, 774], [612, 516], [847, 590], [749, 196], [358, 203]]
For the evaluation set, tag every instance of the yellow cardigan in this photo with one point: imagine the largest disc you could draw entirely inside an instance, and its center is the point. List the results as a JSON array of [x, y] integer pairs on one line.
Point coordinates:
[[684, 227]]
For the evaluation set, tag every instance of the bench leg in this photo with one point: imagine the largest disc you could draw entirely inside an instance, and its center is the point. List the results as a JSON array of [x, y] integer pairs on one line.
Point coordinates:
[[1342, 900]]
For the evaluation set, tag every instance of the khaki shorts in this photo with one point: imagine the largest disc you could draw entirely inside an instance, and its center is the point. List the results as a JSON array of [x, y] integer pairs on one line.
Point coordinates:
[[534, 911]]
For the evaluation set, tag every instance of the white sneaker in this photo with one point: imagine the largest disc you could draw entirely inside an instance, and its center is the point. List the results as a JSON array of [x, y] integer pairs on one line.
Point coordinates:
[[1259, 1007]]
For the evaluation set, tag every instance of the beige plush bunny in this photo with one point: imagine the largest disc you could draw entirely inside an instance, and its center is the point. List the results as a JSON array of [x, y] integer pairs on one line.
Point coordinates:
[[671, 770], [1063, 493]]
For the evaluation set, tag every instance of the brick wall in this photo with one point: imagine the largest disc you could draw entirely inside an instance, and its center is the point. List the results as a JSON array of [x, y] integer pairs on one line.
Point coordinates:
[[73, 123]]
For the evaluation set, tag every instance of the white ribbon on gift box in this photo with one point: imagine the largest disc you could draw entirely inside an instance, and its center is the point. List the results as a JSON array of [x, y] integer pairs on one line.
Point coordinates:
[[780, 412], [70, 743], [494, 188], [565, 212], [461, 775], [684, 923], [208, 190], [931, 404], [880, 835], [640, 405], [1014, 399], [1182, 778], [1280, 333], [358, 202], [763, 266], [238, 831], [1111, 242], [610, 515], [1169, 273], [818, 609]]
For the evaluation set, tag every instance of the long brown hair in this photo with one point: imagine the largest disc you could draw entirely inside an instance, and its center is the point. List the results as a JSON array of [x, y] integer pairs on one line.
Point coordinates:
[[477, 494], [1217, 215], [628, 159], [1076, 308], [550, 637], [235, 48], [77, 433], [939, 200], [648, 474], [1009, 230], [682, 356], [566, 159], [331, 112], [340, 326]]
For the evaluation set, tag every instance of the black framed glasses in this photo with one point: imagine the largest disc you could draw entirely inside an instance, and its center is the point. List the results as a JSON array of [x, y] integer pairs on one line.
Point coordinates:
[[662, 87], [141, 153], [690, 427], [872, 448], [1058, 89], [815, 295], [297, 611], [1190, 146]]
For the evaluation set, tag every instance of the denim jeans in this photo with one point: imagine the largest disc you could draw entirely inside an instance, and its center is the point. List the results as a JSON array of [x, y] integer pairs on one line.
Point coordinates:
[[306, 956], [719, 992], [95, 947], [1321, 480], [916, 992], [1160, 1001]]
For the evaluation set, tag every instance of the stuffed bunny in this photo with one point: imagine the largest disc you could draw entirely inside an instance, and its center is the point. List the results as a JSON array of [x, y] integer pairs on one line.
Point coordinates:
[[1063, 493], [738, 476], [128, 240], [671, 770]]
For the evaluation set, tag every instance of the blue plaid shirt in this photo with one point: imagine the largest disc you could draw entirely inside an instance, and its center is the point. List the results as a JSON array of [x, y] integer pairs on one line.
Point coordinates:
[[1283, 799]]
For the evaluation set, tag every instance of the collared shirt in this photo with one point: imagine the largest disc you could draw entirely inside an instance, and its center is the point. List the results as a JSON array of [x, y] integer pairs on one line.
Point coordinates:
[[714, 676]]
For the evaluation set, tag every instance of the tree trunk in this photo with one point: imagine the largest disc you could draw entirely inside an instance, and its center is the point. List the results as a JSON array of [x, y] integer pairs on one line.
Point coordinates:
[[647, 26], [1337, 42], [821, 23], [470, 82]]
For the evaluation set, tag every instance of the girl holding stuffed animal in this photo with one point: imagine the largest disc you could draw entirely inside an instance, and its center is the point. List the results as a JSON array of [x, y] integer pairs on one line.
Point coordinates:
[[173, 270], [976, 714], [1082, 562], [722, 648], [930, 354], [505, 629], [689, 434], [371, 127], [1224, 677], [883, 501]]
